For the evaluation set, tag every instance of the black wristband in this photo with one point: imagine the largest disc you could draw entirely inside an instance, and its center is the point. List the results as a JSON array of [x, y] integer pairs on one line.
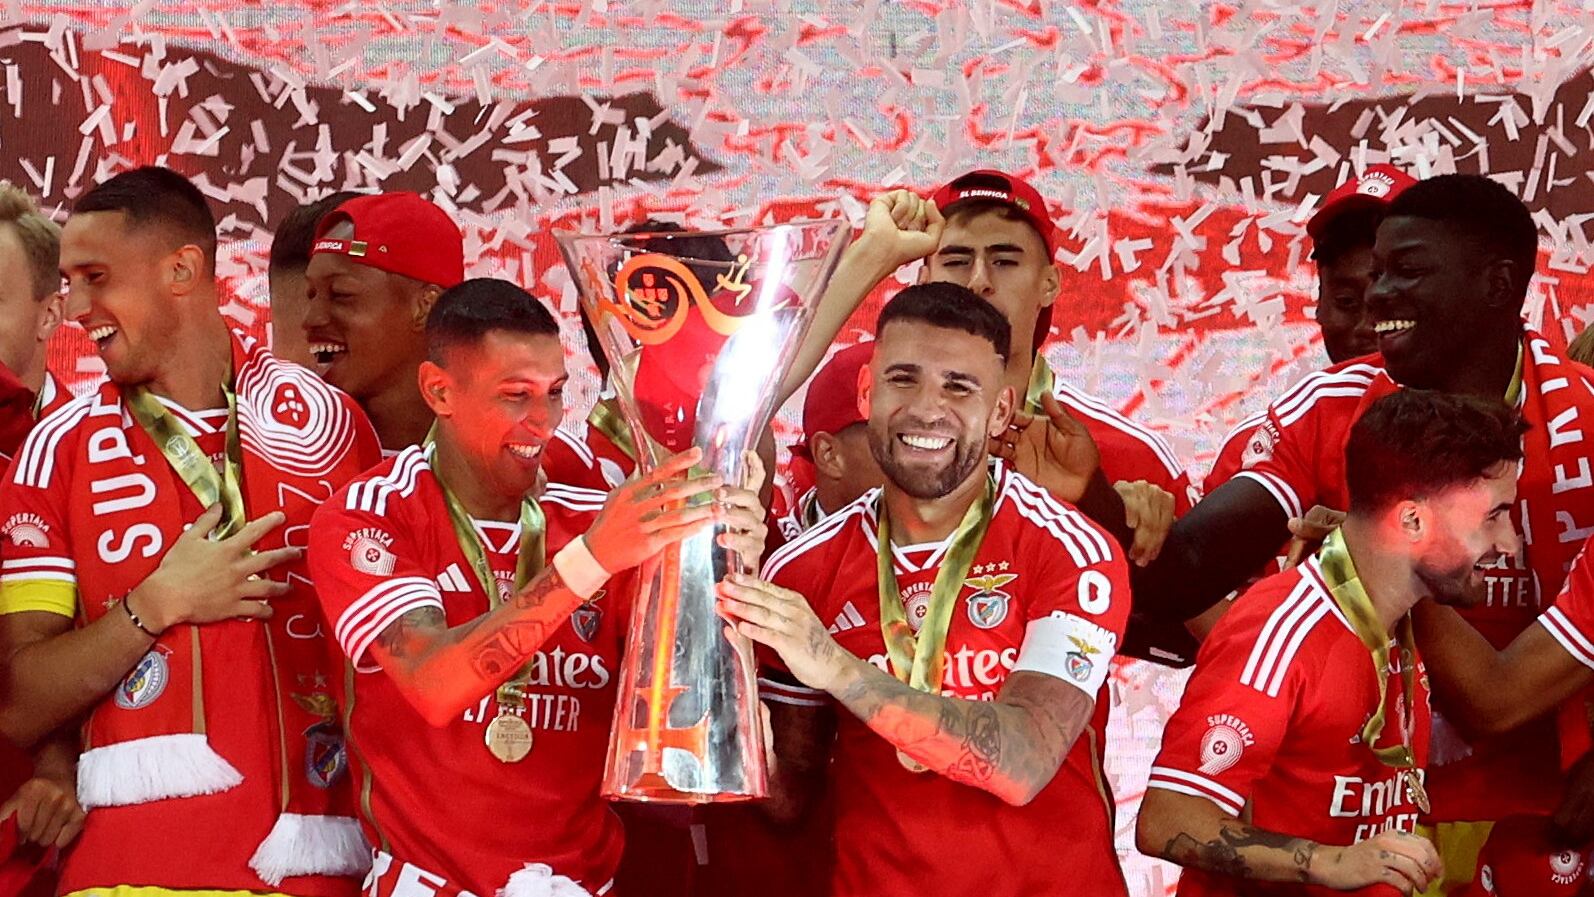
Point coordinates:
[[134, 617]]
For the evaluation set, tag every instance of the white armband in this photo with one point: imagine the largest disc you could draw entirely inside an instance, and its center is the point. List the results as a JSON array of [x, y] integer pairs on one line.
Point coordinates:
[[579, 569], [1070, 648]]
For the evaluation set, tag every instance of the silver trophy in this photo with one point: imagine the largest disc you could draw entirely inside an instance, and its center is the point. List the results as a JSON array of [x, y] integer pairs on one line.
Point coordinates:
[[699, 329]]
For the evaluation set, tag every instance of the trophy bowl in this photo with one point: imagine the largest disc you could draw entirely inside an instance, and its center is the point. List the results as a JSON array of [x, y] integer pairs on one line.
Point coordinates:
[[699, 328]]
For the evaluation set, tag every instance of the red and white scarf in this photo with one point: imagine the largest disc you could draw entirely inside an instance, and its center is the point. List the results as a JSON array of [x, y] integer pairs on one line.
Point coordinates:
[[300, 441]]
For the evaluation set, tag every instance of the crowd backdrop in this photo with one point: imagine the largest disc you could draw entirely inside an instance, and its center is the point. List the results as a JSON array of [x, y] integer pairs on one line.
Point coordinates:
[[1181, 145]]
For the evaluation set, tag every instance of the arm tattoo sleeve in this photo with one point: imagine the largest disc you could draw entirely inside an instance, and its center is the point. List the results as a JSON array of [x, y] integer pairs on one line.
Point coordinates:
[[1011, 747], [1228, 853]]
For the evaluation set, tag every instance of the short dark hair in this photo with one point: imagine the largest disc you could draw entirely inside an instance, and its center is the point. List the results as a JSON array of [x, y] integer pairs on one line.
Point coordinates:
[[156, 195], [290, 245], [1345, 233], [1481, 208], [466, 313], [942, 304], [1415, 443]]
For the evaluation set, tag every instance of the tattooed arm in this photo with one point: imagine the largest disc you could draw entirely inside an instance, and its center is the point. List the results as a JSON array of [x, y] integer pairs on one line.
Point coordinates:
[[442, 670], [1193, 832], [1010, 747]]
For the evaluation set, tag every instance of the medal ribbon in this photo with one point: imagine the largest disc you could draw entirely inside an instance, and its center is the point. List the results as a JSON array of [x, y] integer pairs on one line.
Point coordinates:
[[1041, 383], [210, 487], [606, 419], [1340, 575], [529, 562], [190, 463], [918, 661]]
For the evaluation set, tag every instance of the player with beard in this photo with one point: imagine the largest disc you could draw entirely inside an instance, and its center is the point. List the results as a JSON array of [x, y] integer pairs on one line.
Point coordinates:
[[1255, 790], [967, 654], [480, 620], [376, 266], [285, 278], [1455, 255]]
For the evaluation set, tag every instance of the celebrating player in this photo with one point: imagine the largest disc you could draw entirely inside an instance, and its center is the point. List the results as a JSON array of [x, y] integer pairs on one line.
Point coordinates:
[[1291, 758], [483, 681], [30, 310], [376, 266], [285, 278], [1455, 254], [162, 513], [1342, 233], [971, 619]]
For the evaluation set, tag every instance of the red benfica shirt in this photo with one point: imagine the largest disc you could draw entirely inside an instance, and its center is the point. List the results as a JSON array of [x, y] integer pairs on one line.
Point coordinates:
[[440, 809], [1298, 456], [1129, 451], [1047, 591], [590, 461], [1269, 728], [149, 844]]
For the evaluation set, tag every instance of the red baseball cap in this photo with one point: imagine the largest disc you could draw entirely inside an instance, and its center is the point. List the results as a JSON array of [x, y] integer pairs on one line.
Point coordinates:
[[831, 404], [999, 186], [1375, 189], [1521, 859], [400, 233]]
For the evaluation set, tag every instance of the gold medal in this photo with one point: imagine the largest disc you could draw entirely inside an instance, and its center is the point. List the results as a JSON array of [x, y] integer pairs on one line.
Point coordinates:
[[1419, 792], [910, 764], [509, 738]]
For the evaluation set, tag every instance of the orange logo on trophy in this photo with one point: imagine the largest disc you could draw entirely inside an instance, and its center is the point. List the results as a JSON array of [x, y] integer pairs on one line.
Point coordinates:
[[699, 328]]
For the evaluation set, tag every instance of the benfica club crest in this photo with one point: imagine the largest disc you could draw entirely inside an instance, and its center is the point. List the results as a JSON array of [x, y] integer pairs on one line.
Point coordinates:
[[324, 757], [988, 605], [145, 683], [1077, 662], [586, 619]]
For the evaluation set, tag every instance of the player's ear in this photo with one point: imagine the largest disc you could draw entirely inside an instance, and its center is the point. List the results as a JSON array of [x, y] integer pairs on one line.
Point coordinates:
[[1001, 412], [865, 390], [436, 388], [827, 457], [425, 298], [1411, 517]]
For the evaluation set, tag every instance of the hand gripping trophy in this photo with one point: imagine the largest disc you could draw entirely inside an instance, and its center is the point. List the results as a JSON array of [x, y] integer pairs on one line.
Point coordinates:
[[699, 329]]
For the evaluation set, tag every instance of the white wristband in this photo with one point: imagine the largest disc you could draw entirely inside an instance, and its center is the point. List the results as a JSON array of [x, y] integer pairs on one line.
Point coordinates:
[[579, 569]]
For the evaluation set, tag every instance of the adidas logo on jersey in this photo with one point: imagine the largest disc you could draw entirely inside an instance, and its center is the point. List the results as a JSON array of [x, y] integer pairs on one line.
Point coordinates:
[[849, 618]]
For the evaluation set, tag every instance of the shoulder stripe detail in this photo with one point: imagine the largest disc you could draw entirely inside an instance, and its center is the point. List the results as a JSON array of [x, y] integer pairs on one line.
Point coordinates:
[[817, 535], [35, 461], [1178, 780], [1354, 391], [577, 445], [1085, 544], [374, 611], [1281, 637], [1302, 390], [370, 495], [1092, 407], [1282, 492], [1313, 568], [1568, 635], [1243, 429]]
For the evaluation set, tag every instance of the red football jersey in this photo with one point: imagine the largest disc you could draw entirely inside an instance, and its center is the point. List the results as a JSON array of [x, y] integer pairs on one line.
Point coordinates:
[[1570, 620], [1298, 456], [1048, 591], [1269, 728], [439, 807], [150, 842], [1231, 455], [1129, 451], [589, 461]]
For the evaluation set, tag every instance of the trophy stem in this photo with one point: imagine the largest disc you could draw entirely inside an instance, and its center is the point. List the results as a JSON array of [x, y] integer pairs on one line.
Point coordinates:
[[700, 329]]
